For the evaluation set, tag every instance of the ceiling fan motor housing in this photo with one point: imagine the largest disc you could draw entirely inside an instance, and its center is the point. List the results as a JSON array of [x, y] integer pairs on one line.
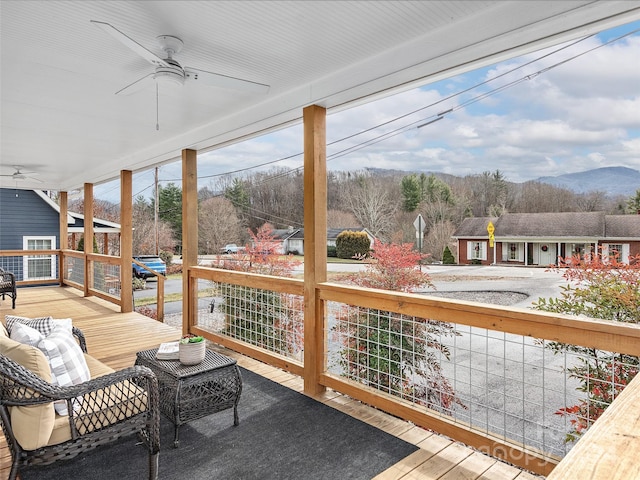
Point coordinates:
[[171, 74]]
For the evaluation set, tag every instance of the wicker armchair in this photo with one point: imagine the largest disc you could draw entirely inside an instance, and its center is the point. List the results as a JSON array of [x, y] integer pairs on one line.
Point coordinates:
[[101, 410], [8, 286]]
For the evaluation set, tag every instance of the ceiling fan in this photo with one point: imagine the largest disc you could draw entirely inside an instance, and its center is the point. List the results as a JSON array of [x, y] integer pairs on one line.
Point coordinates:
[[169, 71], [20, 175]]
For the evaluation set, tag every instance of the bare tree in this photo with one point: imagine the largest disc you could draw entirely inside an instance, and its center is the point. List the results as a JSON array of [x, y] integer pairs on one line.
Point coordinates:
[[374, 204], [341, 219], [218, 224], [591, 201], [438, 237]]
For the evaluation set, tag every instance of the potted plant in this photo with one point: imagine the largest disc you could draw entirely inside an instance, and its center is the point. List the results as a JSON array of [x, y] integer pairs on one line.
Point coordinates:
[[192, 349]]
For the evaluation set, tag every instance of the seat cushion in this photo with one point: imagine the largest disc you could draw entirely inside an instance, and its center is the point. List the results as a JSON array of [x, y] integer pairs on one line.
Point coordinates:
[[32, 425], [100, 409]]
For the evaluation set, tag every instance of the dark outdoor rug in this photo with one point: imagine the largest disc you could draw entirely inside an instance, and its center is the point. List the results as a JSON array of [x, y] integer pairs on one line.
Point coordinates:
[[282, 435]]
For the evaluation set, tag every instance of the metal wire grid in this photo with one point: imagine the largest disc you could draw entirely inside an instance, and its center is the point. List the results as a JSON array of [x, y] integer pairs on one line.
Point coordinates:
[[31, 267], [106, 278], [506, 385], [263, 318], [74, 269]]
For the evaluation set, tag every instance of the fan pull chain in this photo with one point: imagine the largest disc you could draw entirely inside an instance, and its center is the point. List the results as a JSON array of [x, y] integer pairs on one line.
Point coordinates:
[[157, 108]]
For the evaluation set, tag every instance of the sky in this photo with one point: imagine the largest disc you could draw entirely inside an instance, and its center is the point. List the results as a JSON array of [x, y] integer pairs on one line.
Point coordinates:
[[565, 109]]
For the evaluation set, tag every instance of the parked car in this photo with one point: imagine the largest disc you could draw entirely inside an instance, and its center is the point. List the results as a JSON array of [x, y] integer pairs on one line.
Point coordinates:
[[152, 261], [232, 248]]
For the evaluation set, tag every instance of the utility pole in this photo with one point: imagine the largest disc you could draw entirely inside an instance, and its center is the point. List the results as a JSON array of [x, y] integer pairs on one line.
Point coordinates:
[[156, 212]]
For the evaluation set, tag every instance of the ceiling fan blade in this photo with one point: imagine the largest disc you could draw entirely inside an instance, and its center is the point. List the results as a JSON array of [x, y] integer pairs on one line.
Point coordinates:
[[136, 86], [223, 81], [148, 55]]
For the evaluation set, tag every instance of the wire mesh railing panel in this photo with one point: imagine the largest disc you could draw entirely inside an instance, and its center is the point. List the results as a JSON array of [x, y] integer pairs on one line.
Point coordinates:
[[43, 266], [13, 264], [522, 390], [74, 269], [106, 278], [263, 318]]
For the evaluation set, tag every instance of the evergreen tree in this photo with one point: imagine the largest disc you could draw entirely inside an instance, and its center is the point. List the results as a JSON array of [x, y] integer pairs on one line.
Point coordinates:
[[633, 204], [447, 257], [170, 208], [411, 193]]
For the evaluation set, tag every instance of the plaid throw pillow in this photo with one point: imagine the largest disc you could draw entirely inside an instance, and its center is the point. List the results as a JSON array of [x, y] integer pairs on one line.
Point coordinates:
[[67, 362], [43, 324]]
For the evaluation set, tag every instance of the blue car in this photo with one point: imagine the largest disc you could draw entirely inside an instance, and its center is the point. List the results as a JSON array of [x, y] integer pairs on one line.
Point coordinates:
[[152, 261]]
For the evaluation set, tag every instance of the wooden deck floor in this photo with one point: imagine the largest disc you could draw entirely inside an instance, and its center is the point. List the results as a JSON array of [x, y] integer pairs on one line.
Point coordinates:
[[114, 338]]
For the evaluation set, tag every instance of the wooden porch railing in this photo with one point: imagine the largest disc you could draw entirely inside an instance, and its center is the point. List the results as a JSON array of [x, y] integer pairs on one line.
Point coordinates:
[[79, 270], [609, 336]]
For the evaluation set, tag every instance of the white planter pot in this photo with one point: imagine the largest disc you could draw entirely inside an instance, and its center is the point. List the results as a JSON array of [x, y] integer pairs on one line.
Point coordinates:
[[192, 353]]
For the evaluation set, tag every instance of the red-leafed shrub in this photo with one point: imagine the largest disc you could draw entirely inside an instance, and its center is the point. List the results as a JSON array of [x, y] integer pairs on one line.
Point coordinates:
[[599, 287], [397, 354]]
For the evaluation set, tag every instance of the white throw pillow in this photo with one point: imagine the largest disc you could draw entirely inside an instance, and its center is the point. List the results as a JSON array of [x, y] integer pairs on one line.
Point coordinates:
[[67, 362], [24, 334]]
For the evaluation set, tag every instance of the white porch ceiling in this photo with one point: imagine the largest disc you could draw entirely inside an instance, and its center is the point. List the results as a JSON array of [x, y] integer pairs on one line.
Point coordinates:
[[60, 116]]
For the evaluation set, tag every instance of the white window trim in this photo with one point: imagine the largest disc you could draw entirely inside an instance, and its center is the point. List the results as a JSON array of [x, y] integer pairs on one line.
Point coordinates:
[[25, 259], [624, 254], [482, 254]]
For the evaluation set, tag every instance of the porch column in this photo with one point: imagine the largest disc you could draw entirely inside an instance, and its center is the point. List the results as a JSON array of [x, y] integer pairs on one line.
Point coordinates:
[[315, 243], [189, 236], [126, 241], [526, 254], [64, 234], [88, 237]]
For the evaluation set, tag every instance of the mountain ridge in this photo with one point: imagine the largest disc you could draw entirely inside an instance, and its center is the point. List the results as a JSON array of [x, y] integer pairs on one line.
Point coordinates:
[[613, 181], [610, 180]]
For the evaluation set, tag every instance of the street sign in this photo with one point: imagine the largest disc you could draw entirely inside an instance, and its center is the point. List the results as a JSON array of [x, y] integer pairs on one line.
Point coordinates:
[[490, 230], [419, 223]]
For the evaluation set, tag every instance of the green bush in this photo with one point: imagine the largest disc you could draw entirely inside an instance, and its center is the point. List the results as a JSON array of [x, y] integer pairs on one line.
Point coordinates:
[[167, 257], [352, 244], [447, 257], [139, 283], [476, 261], [332, 251], [81, 245]]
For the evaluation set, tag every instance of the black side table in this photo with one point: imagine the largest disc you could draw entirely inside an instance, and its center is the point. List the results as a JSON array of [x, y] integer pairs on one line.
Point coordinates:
[[189, 392]]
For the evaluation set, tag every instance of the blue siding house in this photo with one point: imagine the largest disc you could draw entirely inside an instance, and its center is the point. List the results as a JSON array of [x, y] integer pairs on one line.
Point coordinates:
[[29, 220]]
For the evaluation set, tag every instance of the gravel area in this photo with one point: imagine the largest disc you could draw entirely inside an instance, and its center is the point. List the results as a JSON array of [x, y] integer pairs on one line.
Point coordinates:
[[483, 296]]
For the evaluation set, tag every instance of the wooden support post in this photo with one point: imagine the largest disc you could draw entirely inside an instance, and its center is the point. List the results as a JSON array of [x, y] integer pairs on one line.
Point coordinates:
[[126, 241], [189, 236], [88, 237], [64, 234], [315, 244]]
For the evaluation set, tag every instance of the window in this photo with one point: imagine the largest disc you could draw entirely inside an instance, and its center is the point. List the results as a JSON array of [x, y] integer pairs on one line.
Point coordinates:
[[620, 251], [477, 250], [39, 266]]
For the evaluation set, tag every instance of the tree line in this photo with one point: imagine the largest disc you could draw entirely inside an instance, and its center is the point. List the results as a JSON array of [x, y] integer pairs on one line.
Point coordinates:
[[384, 202]]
